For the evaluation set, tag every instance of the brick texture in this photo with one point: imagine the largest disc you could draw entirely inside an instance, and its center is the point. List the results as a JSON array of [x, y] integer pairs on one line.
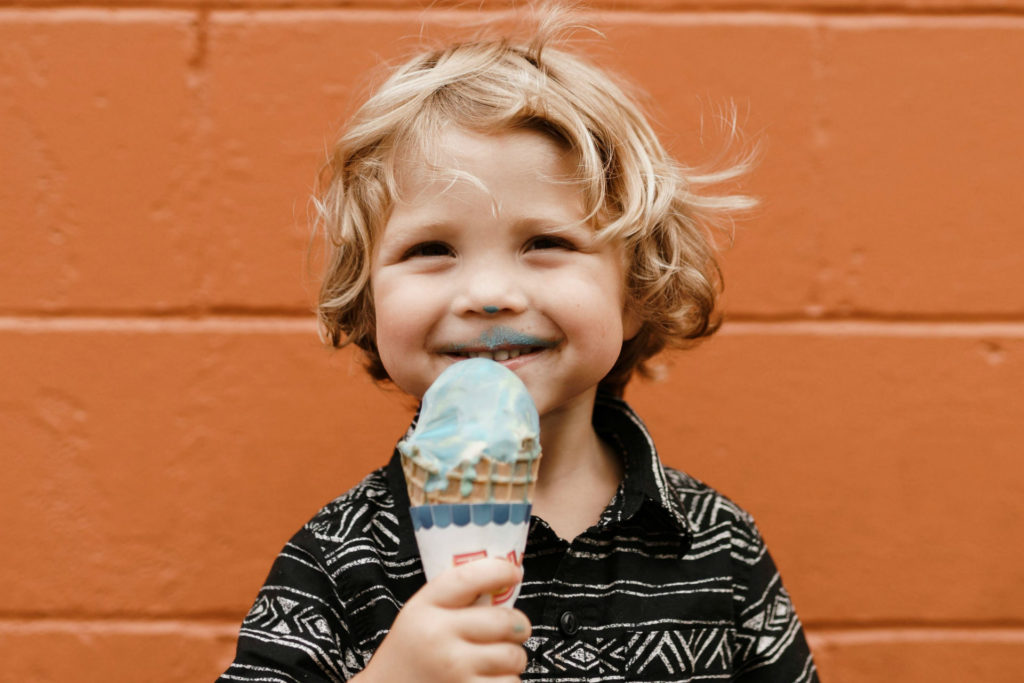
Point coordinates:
[[192, 455], [133, 457], [278, 85], [870, 461], [100, 652], [989, 655], [97, 124], [918, 207], [168, 418]]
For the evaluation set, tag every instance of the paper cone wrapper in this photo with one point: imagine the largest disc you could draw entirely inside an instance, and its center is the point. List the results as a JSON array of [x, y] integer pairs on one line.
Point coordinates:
[[450, 534]]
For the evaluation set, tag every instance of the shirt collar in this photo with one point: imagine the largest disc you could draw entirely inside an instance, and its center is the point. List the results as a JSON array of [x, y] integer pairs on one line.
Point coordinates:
[[396, 482], [644, 486]]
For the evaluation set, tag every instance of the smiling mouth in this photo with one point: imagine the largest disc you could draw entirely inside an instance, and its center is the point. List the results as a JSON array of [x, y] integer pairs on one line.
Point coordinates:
[[495, 354], [499, 344]]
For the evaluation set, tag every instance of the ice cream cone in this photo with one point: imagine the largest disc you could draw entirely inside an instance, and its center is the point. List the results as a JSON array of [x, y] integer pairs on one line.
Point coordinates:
[[470, 468], [480, 482]]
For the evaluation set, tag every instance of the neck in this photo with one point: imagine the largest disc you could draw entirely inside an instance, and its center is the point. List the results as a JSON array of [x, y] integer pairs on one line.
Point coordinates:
[[579, 473]]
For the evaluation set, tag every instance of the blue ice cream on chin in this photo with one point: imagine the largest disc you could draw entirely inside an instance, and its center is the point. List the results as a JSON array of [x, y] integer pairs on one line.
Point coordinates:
[[476, 408]]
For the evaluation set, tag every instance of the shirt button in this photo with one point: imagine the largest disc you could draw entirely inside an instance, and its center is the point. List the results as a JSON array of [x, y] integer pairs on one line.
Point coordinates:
[[568, 623]]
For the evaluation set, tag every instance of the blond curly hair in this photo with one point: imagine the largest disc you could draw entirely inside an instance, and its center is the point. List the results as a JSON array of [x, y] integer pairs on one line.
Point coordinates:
[[634, 190]]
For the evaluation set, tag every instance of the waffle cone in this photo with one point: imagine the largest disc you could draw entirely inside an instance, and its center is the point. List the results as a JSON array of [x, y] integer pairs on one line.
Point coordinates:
[[492, 482]]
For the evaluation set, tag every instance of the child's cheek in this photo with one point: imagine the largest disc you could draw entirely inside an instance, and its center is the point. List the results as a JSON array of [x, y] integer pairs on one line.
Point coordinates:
[[405, 314]]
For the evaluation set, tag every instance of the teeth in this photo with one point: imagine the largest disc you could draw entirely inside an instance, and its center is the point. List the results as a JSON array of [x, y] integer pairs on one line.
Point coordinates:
[[499, 355]]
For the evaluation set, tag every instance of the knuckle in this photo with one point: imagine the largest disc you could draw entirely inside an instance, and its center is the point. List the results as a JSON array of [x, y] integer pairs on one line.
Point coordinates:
[[517, 659], [458, 572]]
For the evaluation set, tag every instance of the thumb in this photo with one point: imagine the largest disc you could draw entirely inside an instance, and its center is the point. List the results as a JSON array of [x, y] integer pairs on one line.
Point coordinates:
[[460, 586]]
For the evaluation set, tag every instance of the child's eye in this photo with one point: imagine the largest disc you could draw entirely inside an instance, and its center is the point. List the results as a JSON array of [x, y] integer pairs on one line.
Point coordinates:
[[426, 249], [550, 242]]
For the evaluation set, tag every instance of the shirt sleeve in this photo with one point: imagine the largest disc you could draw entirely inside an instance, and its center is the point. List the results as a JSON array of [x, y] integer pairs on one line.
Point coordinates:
[[770, 643], [296, 629]]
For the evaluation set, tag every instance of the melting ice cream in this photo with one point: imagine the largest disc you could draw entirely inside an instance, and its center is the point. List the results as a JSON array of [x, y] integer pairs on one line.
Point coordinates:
[[476, 410]]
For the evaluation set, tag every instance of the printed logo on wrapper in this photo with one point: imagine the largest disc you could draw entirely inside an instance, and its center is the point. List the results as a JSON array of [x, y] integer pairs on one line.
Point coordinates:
[[457, 533]]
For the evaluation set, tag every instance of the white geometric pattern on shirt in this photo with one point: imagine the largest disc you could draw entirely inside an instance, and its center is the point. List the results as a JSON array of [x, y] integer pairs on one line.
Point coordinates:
[[671, 653], [337, 630]]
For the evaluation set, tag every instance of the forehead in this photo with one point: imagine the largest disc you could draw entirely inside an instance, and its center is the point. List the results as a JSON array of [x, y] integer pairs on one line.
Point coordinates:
[[521, 165]]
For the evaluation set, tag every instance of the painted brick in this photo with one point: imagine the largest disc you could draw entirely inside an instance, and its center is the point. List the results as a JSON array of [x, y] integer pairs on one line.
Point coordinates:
[[165, 468], [889, 151], [155, 161], [922, 151], [919, 656], [695, 68], [277, 94], [276, 85], [280, 84], [884, 470], [97, 123], [98, 652]]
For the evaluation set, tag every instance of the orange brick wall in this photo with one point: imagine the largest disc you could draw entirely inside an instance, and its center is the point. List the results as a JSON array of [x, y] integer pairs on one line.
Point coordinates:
[[168, 418]]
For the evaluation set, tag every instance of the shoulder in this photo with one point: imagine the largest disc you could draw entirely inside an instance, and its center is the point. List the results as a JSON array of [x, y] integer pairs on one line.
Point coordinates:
[[705, 506], [712, 515], [371, 495], [301, 621], [367, 511]]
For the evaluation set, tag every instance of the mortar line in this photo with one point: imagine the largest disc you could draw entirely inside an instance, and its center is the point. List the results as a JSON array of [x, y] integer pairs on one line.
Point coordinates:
[[83, 626], [161, 324], [855, 636], [201, 26], [811, 10], [877, 328], [305, 323]]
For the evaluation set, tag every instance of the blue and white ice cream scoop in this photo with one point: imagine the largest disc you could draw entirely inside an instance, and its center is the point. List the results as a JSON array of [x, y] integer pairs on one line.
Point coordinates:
[[477, 438]]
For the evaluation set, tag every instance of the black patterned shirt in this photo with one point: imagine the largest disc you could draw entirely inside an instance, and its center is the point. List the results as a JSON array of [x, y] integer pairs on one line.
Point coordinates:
[[673, 583]]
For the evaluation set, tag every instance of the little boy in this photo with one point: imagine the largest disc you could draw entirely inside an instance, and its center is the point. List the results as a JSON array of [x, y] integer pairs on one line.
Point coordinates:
[[508, 200]]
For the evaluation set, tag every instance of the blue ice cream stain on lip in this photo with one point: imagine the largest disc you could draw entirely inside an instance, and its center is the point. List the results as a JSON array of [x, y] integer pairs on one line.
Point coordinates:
[[497, 337], [475, 408]]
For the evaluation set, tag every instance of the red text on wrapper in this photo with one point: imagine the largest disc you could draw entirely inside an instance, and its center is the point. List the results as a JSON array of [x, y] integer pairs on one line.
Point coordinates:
[[512, 556], [463, 558]]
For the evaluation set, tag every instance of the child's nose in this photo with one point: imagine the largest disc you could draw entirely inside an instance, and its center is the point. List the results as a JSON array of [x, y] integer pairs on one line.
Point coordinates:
[[489, 290]]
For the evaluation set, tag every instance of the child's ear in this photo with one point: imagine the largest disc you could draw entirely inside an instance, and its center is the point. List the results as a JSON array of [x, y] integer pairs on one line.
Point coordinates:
[[631, 322]]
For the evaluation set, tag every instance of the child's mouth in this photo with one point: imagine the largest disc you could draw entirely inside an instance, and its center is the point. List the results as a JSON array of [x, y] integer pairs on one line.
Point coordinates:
[[496, 354], [498, 344]]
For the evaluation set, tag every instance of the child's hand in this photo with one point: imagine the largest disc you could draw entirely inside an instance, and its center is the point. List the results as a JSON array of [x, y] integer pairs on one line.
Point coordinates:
[[441, 636]]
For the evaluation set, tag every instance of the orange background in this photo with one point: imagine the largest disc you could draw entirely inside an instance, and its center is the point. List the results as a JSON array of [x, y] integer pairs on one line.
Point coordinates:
[[168, 418]]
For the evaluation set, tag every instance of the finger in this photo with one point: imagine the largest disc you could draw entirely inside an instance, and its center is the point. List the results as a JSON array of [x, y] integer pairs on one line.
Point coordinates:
[[498, 659], [460, 586], [492, 625]]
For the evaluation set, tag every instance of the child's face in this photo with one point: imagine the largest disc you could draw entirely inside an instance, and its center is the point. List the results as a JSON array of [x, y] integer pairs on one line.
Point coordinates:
[[460, 270]]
